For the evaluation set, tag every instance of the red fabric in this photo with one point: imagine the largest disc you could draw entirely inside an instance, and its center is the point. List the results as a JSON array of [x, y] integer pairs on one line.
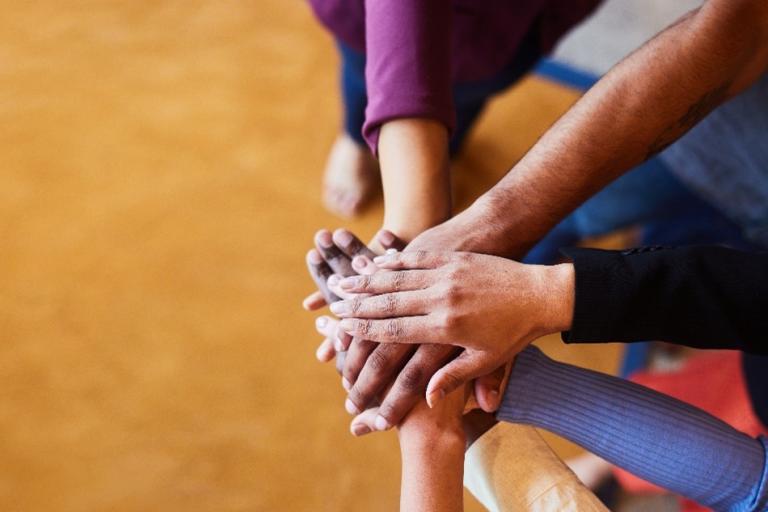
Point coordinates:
[[712, 381]]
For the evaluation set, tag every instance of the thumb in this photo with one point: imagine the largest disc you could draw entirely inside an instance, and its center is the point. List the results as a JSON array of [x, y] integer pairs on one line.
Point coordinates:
[[488, 389], [467, 366]]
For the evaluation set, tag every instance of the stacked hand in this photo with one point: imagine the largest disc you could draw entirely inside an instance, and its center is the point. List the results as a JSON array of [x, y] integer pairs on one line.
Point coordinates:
[[368, 368], [492, 307]]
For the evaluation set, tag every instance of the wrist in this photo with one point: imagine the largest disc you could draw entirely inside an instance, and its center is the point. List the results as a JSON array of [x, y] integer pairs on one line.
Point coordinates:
[[558, 297], [430, 438]]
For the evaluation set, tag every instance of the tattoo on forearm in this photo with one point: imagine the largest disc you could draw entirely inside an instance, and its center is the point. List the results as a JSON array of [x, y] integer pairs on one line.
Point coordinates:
[[695, 113]]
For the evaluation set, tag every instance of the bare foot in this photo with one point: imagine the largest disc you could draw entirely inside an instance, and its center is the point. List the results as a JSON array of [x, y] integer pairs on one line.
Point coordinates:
[[351, 175], [590, 469]]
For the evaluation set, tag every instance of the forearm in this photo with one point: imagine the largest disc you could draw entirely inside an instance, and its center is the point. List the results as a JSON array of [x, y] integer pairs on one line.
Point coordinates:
[[707, 297], [413, 155], [643, 104], [433, 470], [656, 437]]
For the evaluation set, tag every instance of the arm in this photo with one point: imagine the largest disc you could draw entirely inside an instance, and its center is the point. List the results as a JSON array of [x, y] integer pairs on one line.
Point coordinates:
[[413, 156], [643, 104], [707, 297], [511, 468], [410, 109], [433, 464], [658, 438]]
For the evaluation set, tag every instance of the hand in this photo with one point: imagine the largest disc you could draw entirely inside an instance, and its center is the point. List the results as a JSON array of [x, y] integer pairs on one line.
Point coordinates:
[[490, 306], [333, 254], [368, 368]]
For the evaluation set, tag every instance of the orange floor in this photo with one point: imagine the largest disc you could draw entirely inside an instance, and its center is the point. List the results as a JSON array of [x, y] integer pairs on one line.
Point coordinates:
[[160, 184]]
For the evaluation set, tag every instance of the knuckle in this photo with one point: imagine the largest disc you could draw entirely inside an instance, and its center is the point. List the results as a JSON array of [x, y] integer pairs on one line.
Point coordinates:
[[420, 256], [394, 328], [379, 360], [356, 305], [412, 377], [364, 283], [363, 326], [445, 322], [390, 304], [398, 280]]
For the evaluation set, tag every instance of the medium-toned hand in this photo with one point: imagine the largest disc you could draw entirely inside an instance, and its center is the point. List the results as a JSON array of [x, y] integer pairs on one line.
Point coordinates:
[[492, 307]]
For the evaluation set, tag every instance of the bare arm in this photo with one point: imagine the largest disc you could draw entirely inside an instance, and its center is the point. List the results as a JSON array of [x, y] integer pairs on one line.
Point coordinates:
[[642, 105], [413, 154], [433, 470]]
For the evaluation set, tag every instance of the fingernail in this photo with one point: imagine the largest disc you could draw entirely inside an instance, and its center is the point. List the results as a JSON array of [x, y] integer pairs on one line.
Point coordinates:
[[434, 397], [322, 353], [349, 283], [381, 423], [344, 237], [339, 308], [321, 322], [360, 430], [359, 262], [345, 384], [386, 238], [350, 407], [315, 258], [325, 239], [391, 251], [333, 280]]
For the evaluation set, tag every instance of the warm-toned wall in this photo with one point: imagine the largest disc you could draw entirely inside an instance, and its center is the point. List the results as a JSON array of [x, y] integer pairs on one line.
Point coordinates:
[[159, 184]]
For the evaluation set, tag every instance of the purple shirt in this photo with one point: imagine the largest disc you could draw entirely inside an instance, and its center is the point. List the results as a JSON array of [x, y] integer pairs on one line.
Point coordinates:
[[416, 49]]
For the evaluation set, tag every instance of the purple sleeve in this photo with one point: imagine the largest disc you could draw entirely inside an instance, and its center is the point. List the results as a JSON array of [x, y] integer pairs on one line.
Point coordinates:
[[408, 63]]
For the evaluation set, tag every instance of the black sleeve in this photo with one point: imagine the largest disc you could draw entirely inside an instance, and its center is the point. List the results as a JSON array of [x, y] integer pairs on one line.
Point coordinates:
[[705, 297]]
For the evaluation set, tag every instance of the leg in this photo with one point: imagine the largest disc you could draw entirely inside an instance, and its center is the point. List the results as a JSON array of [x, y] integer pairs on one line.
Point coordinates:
[[351, 172]]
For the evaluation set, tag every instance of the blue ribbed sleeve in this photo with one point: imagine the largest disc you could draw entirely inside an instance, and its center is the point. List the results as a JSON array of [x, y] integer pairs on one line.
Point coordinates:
[[663, 440]]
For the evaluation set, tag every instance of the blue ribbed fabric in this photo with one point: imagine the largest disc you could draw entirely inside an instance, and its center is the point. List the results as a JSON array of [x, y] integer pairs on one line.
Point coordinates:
[[658, 438]]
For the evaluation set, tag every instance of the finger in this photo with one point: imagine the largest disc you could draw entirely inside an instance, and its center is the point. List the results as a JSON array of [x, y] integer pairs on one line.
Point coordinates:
[[467, 366], [351, 245], [387, 282], [333, 286], [379, 369], [325, 352], [393, 330], [340, 360], [314, 301], [337, 260], [356, 355], [411, 382], [326, 326], [363, 423], [409, 260], [320, 272], [389, 240], [488, 389], [388, 305], [364, 265], [342, 340]]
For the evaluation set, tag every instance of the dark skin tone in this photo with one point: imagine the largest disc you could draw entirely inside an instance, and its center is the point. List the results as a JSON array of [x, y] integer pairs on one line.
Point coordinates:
[[368, 367], [642, 105]]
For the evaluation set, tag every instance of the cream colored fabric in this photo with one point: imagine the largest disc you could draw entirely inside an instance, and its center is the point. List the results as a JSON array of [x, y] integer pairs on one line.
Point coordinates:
[[511, 468]]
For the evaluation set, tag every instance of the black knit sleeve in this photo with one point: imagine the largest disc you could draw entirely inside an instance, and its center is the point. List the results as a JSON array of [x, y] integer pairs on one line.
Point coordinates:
[[706, 297]]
